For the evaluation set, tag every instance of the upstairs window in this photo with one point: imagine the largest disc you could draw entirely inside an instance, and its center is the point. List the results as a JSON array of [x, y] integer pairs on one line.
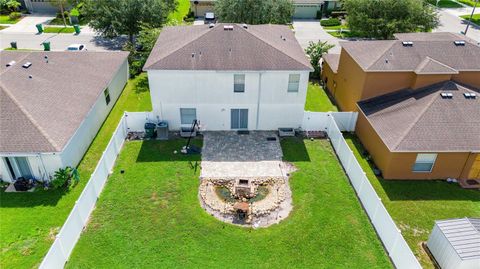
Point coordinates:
[[424, 162], [293, 82], [106, 92], [239, 83]]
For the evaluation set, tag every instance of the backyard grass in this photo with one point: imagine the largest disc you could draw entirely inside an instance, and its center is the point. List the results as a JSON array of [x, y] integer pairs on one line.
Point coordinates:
[[468, 2], [5, 19], [183, 7], [58, 30], [448, 4], [317, 99], [150, 216], [415, 205], [29, 221], [475, 18]]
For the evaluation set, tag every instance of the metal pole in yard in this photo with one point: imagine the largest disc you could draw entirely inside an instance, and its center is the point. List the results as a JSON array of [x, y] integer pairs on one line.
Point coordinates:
[[471, 17]]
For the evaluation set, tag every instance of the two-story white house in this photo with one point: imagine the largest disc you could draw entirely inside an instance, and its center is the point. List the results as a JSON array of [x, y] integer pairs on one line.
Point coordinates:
[[229, 77]]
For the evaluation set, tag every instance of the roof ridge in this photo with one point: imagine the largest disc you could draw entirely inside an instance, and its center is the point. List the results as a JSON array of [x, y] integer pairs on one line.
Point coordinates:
[[419, 116], [268, 43], [29, 117], [381, 55], [179, 48], [428, 59]]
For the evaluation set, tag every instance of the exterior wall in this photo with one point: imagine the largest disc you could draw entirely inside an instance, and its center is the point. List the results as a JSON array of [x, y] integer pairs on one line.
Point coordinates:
[[373, 143], [426, 80], [81, 140], [347, 86], [328, 75], [379, 83], [42, 166], [469, 78], [211, 93]]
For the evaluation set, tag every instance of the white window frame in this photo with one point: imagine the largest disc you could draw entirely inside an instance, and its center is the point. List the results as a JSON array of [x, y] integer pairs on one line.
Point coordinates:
[[239, 80], [425, 158], [293, 83]]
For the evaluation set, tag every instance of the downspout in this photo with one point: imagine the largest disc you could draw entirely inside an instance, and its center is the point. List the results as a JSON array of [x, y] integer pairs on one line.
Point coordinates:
[[258, 99], [43, 164]]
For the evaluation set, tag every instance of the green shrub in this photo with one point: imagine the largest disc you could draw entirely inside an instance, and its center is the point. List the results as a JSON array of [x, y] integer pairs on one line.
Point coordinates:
[[74, 12], [15, 15], [65, 177], [330, 22]]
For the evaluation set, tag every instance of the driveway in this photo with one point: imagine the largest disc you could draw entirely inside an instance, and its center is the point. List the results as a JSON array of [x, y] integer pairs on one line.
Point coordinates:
[[311, 30], [450, 22]]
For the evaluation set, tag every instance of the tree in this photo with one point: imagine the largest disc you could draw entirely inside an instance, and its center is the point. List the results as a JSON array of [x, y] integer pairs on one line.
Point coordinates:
[[315, 52], [9, 5], [61, 4], [255, 11], [125, 17], [144, 44], [382, 18]]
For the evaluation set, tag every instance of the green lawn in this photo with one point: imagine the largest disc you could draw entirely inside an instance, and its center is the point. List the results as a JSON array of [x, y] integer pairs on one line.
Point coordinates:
[[5, 19], [3, 27], [468, 2], [448, 4], [150, 217], [183, 7], [317, 99], [475, 18], [415, 205], [338, 27], [59, 21], [343, 34], [29, 221], [58, 30]]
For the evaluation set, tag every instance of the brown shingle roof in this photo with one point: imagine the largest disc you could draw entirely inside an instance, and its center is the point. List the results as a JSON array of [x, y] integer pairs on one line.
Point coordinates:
[[392, 55], [332, 60], [430, 66], [41, 113], [421, 120], [260, 47]]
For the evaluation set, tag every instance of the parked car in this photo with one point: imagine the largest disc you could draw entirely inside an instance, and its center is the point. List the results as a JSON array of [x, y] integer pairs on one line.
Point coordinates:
[[76, 47], [209, 18]]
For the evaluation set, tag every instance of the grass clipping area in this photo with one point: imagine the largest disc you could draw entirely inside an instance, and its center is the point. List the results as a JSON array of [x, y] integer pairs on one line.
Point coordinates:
[[150, 216], [30, 221]]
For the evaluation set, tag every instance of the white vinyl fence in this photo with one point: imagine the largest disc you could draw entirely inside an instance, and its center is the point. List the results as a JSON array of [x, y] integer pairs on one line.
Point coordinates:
[[317, 121], [391, 237], [66, 239]]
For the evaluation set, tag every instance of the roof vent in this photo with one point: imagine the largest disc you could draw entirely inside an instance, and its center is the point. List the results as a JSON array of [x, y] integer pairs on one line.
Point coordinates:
[[245, 26], [228, 27], [10, 63], [407, 43], [193, 54], [446, 95], [27, 65], [211, 25], [469, 95], [459, 42]]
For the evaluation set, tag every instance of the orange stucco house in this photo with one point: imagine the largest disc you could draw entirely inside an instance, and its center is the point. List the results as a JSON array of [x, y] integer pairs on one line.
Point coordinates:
[[418, 100]]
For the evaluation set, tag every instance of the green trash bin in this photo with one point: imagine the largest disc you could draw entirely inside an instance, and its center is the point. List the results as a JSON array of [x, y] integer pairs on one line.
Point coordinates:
[[150, 131], [13, 44], [39, 28], [77, 29], [46, 46]]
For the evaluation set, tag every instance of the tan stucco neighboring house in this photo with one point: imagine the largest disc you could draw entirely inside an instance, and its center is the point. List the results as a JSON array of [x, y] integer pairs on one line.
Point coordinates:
[[304, 9], [418, 102]]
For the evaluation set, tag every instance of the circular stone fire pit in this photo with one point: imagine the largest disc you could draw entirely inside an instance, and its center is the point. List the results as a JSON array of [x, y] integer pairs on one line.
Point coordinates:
[[257, 202]]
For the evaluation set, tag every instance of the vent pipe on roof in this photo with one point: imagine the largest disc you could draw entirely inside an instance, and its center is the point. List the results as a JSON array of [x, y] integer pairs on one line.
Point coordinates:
[[46, 59], [211, 25], [245, 26]]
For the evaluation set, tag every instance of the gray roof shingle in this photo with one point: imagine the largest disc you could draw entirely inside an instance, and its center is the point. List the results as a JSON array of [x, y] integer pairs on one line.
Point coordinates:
[[42, 106], [259, 47], [422, 121], [333, 61], [392, 55]]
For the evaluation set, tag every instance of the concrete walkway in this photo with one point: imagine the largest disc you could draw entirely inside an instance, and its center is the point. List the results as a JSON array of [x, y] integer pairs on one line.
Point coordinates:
[[311, 30], [27, 24]]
